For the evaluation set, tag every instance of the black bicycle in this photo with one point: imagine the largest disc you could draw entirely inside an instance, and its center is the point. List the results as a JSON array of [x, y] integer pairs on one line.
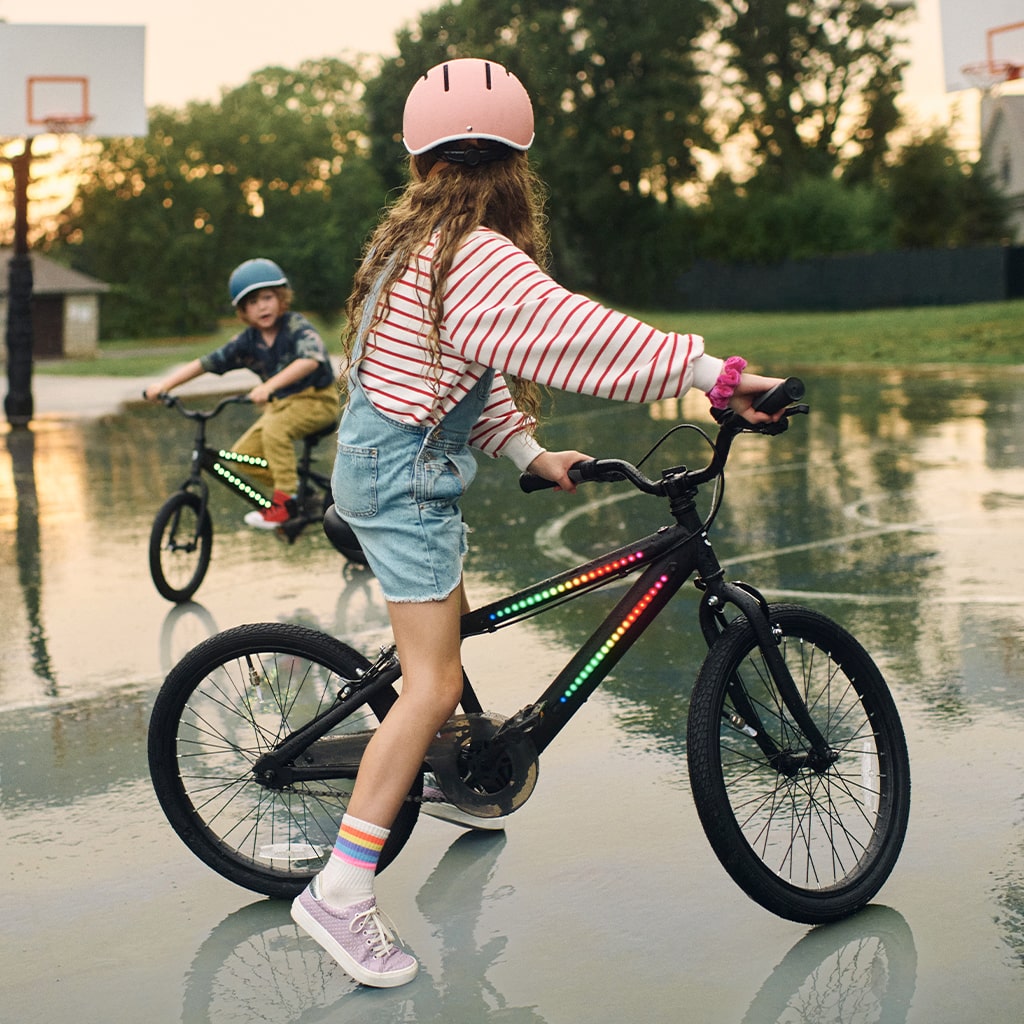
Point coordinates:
[[797, 757], [181, 540]]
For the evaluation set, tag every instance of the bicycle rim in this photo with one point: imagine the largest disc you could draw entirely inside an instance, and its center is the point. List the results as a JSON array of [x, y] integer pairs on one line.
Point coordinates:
[[180, 546], [810, 845], [228, 702]]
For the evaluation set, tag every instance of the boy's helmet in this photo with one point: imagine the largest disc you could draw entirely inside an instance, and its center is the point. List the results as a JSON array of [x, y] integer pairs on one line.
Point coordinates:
[[253, 274], [467, 98]]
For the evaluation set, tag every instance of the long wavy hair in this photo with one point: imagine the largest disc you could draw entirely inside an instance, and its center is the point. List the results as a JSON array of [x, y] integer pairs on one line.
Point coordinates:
[[454, 200]]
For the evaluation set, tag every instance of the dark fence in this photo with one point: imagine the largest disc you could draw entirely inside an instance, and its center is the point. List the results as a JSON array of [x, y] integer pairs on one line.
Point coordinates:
[[913, 277]]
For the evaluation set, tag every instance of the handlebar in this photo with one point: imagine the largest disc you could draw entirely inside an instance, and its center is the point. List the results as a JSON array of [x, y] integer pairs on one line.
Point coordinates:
[[174, 402], [730, 424]]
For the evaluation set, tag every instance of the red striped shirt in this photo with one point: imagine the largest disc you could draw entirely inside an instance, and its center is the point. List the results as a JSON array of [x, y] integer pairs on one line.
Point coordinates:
[[502, 311]]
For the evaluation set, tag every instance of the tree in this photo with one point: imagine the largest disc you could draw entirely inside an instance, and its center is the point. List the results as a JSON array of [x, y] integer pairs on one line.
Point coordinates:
[[939, 200], [812, 87], [277, 168]]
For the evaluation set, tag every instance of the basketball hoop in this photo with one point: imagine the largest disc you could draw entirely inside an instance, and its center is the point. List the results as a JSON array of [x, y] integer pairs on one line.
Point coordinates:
[[66, 124], [987, 74]]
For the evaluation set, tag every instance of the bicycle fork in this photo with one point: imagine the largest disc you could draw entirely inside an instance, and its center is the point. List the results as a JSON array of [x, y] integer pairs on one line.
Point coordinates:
[[754, 608]]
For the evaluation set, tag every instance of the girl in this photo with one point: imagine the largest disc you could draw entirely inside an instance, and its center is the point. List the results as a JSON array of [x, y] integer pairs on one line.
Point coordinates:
[[452, 326]]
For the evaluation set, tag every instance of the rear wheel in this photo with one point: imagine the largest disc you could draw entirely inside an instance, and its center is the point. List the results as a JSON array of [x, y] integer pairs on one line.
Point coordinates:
[[227, 703], [811, 842], [180, 545]]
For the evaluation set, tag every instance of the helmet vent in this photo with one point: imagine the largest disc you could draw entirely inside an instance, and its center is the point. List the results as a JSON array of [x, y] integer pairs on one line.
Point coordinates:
[[487, 74], [447, 87]]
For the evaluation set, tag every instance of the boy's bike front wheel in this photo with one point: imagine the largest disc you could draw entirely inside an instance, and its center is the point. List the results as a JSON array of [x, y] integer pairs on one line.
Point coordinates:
[[180, 545], [228, 702], [810, 841]]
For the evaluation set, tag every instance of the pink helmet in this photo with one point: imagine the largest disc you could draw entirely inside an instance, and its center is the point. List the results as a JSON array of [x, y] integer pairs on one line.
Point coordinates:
[[467, 98]]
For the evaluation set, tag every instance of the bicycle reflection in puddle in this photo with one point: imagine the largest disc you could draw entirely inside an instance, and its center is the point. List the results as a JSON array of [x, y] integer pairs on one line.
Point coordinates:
[[256, 966], [360, 619]]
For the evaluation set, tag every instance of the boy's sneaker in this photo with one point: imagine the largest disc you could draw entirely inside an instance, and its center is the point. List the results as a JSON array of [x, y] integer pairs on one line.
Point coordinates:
[[281, 510], [436, 804], [360, 938]]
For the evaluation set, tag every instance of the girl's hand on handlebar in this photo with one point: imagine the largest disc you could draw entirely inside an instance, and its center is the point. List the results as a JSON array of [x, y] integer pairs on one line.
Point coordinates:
[[748, 391], [554, 466], [153, 392]]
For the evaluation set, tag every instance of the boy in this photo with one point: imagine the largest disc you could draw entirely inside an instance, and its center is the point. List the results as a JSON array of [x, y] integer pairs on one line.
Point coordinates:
[[297, 386]]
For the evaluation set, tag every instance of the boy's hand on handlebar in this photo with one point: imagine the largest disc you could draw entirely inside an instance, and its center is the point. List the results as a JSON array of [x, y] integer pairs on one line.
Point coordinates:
[[261, 394], [750, 388], [554, 466], [153, 392]]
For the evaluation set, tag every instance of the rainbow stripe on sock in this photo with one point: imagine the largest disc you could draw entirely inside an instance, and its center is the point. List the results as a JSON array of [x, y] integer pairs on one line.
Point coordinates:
[[357, 847]]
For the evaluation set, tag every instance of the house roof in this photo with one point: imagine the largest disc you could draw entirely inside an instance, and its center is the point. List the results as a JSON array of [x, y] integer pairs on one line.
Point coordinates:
[[51, 278]]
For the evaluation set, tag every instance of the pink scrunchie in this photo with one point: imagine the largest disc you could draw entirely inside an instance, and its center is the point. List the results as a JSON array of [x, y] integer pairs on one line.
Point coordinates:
[[724, 387]]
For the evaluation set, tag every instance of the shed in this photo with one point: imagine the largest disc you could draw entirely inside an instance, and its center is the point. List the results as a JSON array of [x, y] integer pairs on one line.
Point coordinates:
[[65, 309]]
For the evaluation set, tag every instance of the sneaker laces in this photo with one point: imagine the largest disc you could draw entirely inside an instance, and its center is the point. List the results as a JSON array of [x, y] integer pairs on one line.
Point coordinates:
[[382, 933]]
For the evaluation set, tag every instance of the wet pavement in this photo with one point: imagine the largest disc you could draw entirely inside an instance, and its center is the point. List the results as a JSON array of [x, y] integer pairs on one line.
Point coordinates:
[[897, 507]]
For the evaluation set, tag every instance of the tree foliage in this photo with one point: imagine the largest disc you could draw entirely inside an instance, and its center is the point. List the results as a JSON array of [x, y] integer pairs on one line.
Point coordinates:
[[633, 99], [277, 168], [930, 177], [813, 86]]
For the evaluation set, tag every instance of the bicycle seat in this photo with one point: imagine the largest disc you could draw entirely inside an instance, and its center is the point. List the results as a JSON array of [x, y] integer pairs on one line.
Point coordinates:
[[340, 534]]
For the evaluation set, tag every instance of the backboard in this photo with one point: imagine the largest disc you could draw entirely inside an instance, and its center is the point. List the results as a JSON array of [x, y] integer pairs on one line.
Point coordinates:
[[86, 79], [982, 41]]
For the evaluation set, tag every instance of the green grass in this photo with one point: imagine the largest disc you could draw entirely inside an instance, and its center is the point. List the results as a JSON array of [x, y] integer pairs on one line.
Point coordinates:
[[982, 334]]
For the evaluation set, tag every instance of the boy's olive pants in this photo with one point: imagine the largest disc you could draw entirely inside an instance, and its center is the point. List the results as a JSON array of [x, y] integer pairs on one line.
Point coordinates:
[[285, 421]]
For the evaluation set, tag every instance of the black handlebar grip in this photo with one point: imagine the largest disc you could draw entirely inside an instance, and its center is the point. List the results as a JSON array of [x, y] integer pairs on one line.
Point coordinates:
[[790, 390], [529, 482]]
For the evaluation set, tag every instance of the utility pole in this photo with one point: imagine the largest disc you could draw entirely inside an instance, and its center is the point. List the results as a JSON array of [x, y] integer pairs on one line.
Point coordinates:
[[18, 401]]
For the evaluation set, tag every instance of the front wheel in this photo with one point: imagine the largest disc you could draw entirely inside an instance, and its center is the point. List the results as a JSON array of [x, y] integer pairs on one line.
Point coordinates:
[[180, 545], [222, 707], [810, 841]]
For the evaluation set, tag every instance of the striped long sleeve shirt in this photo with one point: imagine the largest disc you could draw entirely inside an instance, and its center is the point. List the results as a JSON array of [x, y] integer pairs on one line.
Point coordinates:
[[502, 311]]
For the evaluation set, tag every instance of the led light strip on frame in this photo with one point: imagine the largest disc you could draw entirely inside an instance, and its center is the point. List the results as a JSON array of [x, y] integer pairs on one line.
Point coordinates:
[[609, 645], [555, 591], [236, 481]]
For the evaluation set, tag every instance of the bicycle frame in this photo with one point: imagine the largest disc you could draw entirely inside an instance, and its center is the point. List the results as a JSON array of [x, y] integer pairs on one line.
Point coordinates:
[[218, 463], [665, 560]]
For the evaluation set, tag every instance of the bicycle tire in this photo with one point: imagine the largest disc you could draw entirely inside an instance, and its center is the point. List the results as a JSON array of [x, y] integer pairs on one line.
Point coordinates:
[[811, 846], [213, 718], [178, 566]]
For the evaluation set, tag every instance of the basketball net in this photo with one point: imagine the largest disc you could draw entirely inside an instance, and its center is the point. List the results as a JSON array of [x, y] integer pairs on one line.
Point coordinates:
[[987, 74]]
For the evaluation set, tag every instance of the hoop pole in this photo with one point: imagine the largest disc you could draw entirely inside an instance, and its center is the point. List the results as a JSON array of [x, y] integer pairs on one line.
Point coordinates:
[[18, 405]]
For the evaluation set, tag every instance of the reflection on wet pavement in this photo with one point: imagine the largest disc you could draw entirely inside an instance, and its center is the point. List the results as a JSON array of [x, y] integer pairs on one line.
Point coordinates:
[[897, 508]]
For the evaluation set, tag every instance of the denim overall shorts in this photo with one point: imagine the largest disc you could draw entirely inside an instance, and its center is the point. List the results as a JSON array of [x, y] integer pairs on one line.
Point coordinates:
[[398, 485]]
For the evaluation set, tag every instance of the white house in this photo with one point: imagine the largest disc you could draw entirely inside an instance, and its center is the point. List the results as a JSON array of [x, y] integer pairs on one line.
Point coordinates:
[[1002, 151]]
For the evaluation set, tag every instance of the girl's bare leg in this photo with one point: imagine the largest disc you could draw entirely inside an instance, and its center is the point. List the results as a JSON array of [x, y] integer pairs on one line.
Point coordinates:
[[427, 637]]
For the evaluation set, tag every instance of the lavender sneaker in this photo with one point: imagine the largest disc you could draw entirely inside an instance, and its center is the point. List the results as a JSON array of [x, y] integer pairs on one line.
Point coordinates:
[[359, 937]]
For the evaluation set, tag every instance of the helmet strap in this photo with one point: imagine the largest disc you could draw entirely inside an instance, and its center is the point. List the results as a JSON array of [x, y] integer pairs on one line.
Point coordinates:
[[471, 156]]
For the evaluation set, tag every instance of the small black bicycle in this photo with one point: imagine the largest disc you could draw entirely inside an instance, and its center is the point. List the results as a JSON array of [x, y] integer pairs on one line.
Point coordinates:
[[797, 758], [181, 540]]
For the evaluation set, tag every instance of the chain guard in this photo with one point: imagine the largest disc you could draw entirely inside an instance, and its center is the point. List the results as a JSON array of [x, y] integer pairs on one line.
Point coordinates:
[[479, 773]]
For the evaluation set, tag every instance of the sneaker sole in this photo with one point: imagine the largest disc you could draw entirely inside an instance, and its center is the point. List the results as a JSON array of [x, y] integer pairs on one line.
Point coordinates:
[[317, 932], [451, 814]]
